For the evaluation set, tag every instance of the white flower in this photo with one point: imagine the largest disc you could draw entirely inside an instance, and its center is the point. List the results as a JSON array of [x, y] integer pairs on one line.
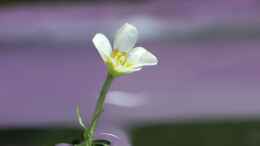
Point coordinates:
[[123, 58]]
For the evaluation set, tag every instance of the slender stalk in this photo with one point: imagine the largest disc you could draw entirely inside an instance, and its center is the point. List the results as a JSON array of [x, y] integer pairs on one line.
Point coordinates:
[[89, 132]]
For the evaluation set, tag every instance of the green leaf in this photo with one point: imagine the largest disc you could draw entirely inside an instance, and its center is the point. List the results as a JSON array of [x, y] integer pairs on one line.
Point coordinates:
[[101, 142], [79, 118]]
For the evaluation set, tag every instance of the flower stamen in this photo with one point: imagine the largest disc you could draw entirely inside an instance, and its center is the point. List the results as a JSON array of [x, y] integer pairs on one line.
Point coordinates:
[[120, 57]]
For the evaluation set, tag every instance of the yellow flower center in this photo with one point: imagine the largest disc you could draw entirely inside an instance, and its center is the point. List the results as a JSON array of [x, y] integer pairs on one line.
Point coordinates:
[[121, 58]]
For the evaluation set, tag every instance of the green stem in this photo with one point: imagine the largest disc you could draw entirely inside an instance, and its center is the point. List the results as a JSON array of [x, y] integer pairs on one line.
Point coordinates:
[[98, 111]]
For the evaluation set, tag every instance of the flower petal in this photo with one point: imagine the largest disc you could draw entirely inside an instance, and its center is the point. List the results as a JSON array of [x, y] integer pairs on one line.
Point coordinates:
[[139, 56], [103, 46], [125, 37]]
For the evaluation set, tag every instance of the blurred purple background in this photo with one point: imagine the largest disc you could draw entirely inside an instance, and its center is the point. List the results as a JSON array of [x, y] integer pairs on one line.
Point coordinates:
[[209, 54]]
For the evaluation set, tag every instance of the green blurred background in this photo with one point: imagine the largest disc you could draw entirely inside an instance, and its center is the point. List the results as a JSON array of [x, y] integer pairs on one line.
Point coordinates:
[[202, 133]]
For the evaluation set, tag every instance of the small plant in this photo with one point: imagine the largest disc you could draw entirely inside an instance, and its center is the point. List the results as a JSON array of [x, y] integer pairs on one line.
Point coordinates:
[[121, 59]]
